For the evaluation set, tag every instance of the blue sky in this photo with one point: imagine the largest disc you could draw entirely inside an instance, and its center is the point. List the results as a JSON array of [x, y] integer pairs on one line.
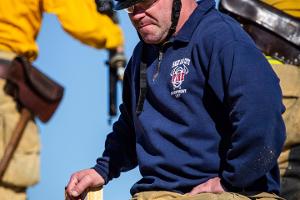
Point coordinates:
[[74, 137]]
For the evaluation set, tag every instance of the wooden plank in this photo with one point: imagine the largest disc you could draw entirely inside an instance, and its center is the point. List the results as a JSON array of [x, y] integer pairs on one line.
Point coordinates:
[[91, 194]]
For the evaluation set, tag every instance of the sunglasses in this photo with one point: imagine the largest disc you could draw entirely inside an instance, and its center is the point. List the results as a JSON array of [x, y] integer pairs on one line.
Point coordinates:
[[144, 5]]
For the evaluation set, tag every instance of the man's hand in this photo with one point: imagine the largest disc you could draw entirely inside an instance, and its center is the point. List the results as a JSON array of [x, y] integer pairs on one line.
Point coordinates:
[[212, 185], [82, 180]]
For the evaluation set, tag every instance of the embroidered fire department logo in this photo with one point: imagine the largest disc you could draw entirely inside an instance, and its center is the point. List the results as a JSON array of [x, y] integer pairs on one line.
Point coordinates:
[[178, 73]]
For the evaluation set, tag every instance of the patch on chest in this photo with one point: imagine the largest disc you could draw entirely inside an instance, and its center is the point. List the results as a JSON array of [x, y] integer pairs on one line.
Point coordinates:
[[178, 75]]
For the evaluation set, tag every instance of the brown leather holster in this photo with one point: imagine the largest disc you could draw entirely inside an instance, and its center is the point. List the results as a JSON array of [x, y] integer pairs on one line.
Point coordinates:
[[32, 89], [276, 33]]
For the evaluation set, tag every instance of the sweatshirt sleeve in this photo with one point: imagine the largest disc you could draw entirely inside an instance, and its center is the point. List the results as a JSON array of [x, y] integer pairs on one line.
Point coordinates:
[[119, 154], [254, 100], [81, 20]]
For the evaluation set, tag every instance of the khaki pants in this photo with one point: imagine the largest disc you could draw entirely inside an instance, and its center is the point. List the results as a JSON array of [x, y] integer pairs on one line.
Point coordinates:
[[163, 195], [23, 170], [289, 160], [12, 193]]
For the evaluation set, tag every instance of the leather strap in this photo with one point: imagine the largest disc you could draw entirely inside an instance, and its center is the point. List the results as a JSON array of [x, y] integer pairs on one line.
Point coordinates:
[[4, 66], [274, 20], [276, 33], [274, 45], [143, 82]]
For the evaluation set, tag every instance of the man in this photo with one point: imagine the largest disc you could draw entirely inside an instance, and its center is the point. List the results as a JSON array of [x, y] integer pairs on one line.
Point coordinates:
[[196, 115], [282, 53], [20, 22]]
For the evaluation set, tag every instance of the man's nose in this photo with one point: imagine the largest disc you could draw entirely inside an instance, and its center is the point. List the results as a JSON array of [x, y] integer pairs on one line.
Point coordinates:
[[137, 13]]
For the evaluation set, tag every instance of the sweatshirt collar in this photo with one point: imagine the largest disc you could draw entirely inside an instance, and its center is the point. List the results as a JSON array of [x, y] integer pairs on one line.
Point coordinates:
[[185, 33]]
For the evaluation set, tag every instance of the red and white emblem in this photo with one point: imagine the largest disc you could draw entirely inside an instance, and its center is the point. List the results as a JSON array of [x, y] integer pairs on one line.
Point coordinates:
[[178, 73]]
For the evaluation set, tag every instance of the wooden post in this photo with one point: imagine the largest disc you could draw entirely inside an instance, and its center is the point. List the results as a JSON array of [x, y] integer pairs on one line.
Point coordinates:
[[91, 194], [94, 194]]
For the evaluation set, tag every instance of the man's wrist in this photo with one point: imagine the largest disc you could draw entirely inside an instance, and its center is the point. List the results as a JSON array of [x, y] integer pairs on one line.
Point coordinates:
[[101, 172]]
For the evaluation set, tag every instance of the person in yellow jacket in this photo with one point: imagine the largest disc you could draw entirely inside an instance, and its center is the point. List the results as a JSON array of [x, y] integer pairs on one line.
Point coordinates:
[[20, 22], [289, 160]]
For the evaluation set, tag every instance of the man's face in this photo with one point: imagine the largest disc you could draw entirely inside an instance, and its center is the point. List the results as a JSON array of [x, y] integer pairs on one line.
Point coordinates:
[[152, 19]]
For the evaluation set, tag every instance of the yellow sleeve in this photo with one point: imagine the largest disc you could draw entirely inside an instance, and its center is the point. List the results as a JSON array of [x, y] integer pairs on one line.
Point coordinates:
[[291, 7], [81, 19], [20, 23]]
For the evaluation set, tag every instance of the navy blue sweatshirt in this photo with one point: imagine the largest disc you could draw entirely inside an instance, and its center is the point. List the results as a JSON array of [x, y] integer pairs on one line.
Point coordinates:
[[213, 109]]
